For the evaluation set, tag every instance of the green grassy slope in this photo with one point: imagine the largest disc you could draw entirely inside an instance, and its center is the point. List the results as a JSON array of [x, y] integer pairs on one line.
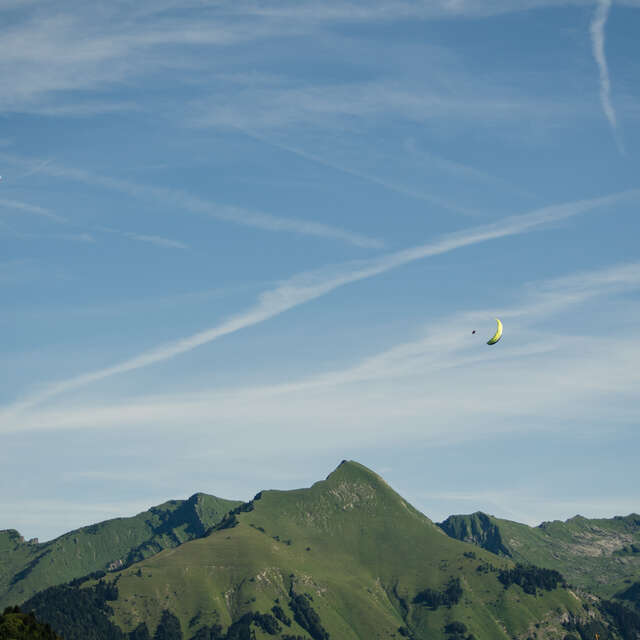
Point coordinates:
[[599, 555], [357, 548], [26, 568]]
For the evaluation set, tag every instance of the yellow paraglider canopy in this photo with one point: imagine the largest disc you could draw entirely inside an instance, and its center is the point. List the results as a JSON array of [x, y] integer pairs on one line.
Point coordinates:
[[498, 333]]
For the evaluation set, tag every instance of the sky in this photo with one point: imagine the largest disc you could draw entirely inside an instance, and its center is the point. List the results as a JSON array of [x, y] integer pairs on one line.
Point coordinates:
[[241, 241]]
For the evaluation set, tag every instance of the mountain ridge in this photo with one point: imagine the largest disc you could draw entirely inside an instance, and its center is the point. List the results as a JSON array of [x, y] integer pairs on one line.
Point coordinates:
[[346, 558], [27, 567], [364, 560], [601, 555]]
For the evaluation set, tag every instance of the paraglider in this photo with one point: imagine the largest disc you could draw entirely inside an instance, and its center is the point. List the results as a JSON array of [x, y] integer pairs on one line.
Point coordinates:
[[497, 335]]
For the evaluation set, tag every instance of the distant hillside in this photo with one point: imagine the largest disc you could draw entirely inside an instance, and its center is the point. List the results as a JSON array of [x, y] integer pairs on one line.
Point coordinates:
[[28, 567], [600, 555], [346, 559]]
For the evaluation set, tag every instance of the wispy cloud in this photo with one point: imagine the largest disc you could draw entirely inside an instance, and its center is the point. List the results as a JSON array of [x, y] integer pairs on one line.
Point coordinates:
[[439, 388], [34, 170], [441, 405], [461, 170], [182, 201], [31, 208], [82, 109], [386, 183], [309, 286], [155, 240], [73, 237], [73, 46], [435, 391], [597, 41], [335, 105], [140, 304], [158, 241], [384, 10], [47, 61], [36, 51], [45, 57], [446, 345], [581, 286]]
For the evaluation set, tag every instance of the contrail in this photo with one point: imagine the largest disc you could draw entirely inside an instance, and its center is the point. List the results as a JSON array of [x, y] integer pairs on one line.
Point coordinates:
[[185, 201], [35, 169], [32, 208], [597, 42], [309, 286], [411, 193]]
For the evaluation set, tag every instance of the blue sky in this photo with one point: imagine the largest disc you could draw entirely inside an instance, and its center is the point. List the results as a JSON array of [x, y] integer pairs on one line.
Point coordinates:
[[243, 241]]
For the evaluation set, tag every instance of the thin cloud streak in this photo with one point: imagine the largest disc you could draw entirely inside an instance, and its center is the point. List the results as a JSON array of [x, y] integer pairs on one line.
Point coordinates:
[[83, 237], [73, 237], [382, 11], [183, 200], [45, 55], [309, 286], [564, 370], [158, 241], [597, 42], [335, 105], [45, 58], [411, 193], [439, 349], [34, 171], [459, 169], [31, 208]]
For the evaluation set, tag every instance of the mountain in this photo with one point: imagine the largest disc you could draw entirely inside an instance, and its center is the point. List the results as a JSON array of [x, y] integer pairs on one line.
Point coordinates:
[[345, 559], [28, 567], [598, 555]]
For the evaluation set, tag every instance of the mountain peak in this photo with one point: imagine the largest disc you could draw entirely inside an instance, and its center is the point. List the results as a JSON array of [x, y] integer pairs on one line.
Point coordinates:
[[351, 496], [352, 471]]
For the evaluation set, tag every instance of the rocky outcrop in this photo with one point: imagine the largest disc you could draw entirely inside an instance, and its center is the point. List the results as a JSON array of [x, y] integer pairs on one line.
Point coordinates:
[[477, 529]]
